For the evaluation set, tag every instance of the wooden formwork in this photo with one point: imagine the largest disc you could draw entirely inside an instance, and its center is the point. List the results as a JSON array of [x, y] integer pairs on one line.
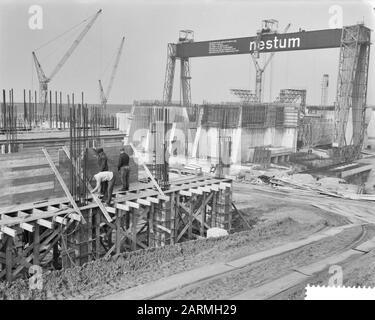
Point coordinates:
[[51, 235]]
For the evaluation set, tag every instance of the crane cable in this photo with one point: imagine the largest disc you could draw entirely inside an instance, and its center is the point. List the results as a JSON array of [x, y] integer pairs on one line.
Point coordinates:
[[65, 32]]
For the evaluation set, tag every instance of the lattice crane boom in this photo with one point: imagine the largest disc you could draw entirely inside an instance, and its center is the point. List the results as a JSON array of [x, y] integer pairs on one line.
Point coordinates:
[[115, 66], [103, 99], [43, 79], [258, 69], [41, 75], [74, 45]]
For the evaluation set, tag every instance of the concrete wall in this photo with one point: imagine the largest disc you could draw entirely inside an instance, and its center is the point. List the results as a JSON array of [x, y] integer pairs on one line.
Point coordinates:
[[244, 140], [123, 121]]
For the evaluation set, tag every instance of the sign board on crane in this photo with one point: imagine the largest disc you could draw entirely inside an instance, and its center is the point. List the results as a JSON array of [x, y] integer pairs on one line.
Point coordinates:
[[303, 40]]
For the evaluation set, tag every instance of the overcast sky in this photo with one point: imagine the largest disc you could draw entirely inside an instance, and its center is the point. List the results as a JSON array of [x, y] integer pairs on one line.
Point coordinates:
[[148, 26]]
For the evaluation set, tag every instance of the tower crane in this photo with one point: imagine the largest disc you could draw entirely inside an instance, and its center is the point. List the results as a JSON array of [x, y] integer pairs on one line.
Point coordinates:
[[268, 27], [104, 96], [43, 79]]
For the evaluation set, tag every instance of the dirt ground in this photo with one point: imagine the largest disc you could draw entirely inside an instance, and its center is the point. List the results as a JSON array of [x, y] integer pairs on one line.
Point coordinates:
[[257, 207]]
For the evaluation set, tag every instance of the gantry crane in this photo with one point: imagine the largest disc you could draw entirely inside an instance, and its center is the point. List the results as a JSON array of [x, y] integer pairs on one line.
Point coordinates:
[[269, 26], [104, 96], [43, 79]]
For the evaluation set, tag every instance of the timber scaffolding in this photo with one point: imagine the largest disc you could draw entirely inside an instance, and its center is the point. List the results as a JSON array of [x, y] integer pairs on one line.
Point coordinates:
[[53, 235]]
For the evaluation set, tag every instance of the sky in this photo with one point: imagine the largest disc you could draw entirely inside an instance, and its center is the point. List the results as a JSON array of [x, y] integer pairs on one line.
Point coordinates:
[[148, 26]]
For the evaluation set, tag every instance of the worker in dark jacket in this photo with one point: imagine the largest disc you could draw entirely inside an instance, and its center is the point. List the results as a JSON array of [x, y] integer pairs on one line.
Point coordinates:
[[103, 166], [123, 168]]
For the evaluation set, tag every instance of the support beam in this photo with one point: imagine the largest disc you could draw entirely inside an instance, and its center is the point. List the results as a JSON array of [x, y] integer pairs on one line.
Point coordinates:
[[45, 223], [27, 226], [164, 198], [205, 189], [9, 231], [214, 187], [152, 199], [132, 204], [185, 193], [121, 206], [144, 202], [111, 209], [196, 191], [61, 220]]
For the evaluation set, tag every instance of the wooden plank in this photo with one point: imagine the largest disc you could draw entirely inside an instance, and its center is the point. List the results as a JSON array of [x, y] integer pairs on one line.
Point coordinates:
[[205, 189], [189, 225], [110, 209], [9, 259], [144, 202], [118, 232], [150, 238], [164, 198], [45, 223], [224, 185], [185, 193], [12, 190], [134, 229], [32, 205], [163, 228], [214, 187], [24, 225], [63, 185], [203, 216], [152, 199], [196, 191], [121, 206], [132, 204], [39, 214], [36, 245], [9, 231], [28, 162], [74, 216], [27, 226], [61, 220], [26, 173]]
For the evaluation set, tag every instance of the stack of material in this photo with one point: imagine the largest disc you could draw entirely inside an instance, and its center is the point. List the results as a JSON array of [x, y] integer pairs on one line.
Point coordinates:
[[328, 186], [216, 232]]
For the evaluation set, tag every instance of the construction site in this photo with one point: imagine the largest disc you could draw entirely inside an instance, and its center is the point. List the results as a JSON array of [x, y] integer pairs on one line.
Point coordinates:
[[244, 199]]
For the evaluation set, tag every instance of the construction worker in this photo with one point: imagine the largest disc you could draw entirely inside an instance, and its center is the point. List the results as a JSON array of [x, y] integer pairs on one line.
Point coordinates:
[[103, 166], [110, 178], [123, 168]]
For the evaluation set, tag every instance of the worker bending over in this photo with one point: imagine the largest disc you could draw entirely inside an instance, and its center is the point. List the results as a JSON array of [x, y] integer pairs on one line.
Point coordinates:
[[103, 166], [110, 178], [123, 168]]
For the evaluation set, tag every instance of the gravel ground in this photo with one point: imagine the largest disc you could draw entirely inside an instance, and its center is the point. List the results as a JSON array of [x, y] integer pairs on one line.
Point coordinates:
[[262, 237], [358, 272], [267, 270]]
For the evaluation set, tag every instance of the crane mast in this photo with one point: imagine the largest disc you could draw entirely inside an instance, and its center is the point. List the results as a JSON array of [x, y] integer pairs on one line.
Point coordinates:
[[104, 96], [268, 27], [43, 79]]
